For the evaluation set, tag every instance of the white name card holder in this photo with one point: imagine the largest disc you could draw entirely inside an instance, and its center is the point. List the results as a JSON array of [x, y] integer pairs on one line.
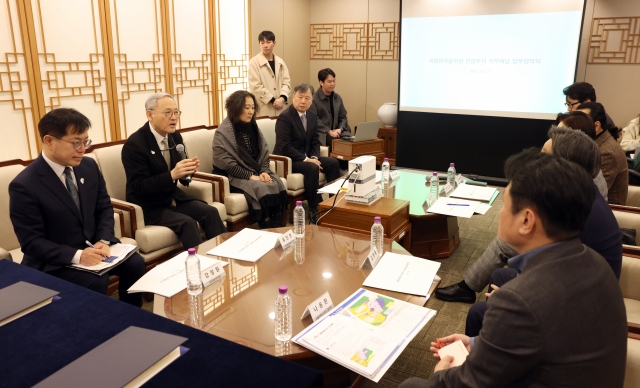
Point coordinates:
[[212, 274], [372, 259], [319, 307], [394, 175], [448, 189], [286, 239], [431, 199], [459, 179]]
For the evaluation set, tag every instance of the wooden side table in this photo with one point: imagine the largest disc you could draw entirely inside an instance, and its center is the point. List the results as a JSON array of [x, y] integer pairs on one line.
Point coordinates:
[[347, 150], [389, 136], [352, 217]]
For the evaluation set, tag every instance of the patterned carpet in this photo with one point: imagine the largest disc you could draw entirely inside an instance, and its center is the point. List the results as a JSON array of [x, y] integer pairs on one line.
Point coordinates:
[[416, 360]]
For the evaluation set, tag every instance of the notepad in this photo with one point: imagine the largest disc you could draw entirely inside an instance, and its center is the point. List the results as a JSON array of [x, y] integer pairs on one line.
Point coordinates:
[[457, 350], [119, 253], [403, 273], [21, 298], [128, 359]]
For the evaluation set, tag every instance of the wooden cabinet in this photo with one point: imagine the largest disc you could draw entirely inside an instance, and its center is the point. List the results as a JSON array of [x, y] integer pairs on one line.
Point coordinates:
[[389, 136]]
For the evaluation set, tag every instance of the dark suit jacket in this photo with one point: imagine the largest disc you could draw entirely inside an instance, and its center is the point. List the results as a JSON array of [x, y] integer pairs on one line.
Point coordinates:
[[291, 138], [48, 224], [149, 182], [602, 233], [322, 107], [562, 322]]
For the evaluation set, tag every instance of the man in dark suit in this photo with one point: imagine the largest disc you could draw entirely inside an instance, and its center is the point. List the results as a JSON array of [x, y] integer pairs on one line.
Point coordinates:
[[153, 166], [297, 138], [328, 105], [562, 321], [60, 201]]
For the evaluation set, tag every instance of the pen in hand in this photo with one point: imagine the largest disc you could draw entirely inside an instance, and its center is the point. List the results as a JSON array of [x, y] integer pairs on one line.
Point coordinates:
[[93, 246], [439, 343]]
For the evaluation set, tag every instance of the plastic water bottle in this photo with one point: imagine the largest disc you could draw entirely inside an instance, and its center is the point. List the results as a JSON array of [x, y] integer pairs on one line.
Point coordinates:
[[385, 173], [451, 175], [194, 286], [283, 319], [377, 236], [298, 220], [194, 282], [435, 188]]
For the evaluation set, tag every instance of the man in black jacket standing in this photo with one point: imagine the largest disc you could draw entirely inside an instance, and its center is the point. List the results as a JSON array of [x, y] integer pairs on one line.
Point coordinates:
[[153, 166]]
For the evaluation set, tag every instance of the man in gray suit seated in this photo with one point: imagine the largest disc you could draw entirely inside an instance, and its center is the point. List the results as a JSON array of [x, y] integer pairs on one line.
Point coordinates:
[[562, 322], [328, 105]]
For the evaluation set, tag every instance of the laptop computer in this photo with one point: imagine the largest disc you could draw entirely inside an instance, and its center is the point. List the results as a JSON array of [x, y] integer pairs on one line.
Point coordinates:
[[366, 131]]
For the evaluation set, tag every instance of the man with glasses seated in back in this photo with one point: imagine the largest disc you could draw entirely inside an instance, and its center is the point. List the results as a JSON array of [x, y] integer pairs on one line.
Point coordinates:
[[59, 204], [153, 166], [579, 92]]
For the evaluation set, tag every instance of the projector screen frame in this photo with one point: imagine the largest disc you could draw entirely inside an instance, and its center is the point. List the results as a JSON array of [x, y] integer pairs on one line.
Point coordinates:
[[417, 129]]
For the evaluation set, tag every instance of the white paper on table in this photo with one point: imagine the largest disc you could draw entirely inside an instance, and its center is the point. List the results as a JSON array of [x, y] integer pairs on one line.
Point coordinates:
[[248, 245], [403, 273], [482, 208], [169, 278], [477, 193], [378, 176], [371, 331], [460, 207], [457, 350], [334, 187]]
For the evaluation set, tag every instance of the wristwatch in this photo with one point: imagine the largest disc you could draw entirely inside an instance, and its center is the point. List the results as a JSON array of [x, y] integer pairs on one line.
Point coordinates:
[[105, 242]]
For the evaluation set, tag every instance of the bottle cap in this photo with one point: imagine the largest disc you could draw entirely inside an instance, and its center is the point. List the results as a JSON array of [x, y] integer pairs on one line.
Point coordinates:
[[435, 173], [191, 251], [452, 164], [298, 203], [386, 159], [283, 289], [376, 219]]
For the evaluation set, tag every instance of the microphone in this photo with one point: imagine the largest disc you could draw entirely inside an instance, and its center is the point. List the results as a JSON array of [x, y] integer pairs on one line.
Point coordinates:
[[183, 156]]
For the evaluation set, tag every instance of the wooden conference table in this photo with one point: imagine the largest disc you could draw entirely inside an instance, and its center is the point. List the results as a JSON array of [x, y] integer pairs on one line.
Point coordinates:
[[238, 307]]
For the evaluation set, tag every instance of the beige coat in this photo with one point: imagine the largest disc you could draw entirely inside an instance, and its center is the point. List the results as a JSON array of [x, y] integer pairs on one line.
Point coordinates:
[[631, 135], [265, 85]]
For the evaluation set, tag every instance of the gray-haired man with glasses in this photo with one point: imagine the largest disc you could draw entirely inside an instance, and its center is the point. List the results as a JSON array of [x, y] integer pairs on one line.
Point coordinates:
[[60, 202], [153, 167]]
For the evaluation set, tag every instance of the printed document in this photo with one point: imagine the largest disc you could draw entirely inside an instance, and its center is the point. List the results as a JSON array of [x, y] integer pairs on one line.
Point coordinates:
[[366, 333], [403, 273], [454, 207], [477, 193], [169, 278], [248, 245]]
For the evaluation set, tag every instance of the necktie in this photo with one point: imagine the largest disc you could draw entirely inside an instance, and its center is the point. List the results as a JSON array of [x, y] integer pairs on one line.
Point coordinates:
[[71, 187], [166, 153], [304, 121]]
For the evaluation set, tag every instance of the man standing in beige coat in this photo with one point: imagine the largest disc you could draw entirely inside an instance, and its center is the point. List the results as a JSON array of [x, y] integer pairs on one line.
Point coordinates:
[[269, 78]]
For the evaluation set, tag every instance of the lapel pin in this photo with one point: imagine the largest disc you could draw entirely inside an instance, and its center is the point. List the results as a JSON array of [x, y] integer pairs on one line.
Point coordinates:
[[153, 152], [82, 180]]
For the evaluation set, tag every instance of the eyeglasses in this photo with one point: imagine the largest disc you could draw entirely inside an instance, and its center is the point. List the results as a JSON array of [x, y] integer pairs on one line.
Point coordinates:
[[168, 113], [570, 105], [77, 144]]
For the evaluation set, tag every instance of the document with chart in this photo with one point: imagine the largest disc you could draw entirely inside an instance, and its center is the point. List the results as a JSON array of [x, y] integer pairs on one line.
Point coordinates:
[[366, 333]]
